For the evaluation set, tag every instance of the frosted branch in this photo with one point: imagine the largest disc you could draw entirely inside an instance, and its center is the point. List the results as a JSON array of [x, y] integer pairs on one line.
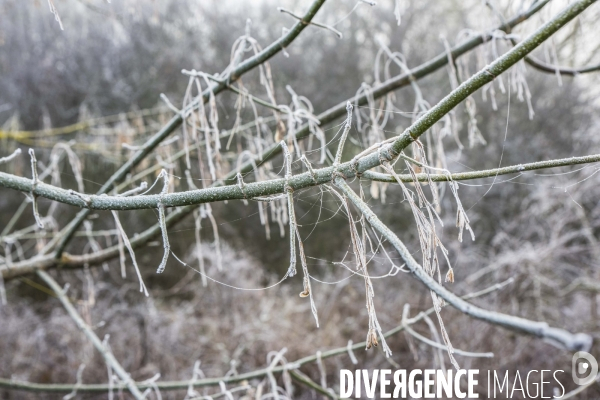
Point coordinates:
[[11, 157]]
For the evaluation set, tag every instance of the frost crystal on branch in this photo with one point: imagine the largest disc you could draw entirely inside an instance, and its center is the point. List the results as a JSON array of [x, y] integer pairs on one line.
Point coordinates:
[[163, 225], [347, 126], [287, 159], [125, 240], [34, 179], [307, 292], [398, 11], [54, 11], [361, 266]]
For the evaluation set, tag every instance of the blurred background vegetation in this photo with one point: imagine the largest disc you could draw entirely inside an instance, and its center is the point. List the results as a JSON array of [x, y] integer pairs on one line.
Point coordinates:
[[105, 72]]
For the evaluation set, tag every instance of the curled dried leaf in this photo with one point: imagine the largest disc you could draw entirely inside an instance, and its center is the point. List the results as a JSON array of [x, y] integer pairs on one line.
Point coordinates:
[[450, 276]]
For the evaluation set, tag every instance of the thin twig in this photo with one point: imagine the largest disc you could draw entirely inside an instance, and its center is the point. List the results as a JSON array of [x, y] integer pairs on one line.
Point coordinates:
[[177, 120], [177, 385], [291, 212], [326, 117], [11, 157], [299, 18], [340, 150], [556, 336], [34, 183], [106, 353], [305, 380]]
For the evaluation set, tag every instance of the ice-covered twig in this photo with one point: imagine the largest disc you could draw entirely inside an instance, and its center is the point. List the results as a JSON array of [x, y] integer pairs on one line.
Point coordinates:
[[398, 11], [143, 186], [299, 18], [86, 199], [163, 225], [109, 358], [203, 381], [77, 385], [347, 126], [307, 289], [308, 165], [34, 182], [176, 110], [127, 244], [54, 11], [11, 157], [556, 336], [351, 353]]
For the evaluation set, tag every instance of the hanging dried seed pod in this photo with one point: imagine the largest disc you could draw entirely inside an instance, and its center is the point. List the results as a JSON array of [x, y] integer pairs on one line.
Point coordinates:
[[374, 338], [371, 339], [306, 291]]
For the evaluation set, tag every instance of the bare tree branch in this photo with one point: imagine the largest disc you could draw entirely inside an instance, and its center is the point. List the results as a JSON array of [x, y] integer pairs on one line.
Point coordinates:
[[358, 166], [177, 120], [484, 76], [257, 189], [556, 336], [399, 81], [106, 353]]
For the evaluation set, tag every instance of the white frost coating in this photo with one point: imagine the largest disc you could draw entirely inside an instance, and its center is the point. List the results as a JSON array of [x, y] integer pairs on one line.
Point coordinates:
[[163, 225], [398, 11], [290, 203], [361, 264], [329, 28], [73, 393], [54, 11], [131, 252], [351, 353], [2, 292], [34, 178], [6, 159], [307, 292], [143, 186]]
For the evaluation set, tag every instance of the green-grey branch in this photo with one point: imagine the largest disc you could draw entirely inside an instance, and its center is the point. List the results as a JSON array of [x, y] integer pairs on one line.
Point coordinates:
[[256, 189], [556, 336]]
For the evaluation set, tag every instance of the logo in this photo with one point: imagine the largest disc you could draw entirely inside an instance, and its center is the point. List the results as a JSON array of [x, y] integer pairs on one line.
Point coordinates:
[[585, 368]]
